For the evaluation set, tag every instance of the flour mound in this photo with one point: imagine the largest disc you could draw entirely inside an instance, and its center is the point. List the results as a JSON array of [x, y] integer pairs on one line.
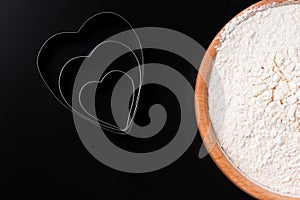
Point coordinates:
[[258, 64]]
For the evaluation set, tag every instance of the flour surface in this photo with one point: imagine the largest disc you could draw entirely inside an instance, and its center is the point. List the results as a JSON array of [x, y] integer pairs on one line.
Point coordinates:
[[258, 65]]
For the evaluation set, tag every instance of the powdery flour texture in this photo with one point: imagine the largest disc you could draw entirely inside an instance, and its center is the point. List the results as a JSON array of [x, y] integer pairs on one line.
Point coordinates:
[[258, 64]]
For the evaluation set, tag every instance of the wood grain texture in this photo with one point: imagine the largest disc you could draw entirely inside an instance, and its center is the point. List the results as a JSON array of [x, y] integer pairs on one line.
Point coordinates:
[[207, 132]]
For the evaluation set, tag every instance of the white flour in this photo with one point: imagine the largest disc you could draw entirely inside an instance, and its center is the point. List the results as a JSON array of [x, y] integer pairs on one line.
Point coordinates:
[[258, 63]]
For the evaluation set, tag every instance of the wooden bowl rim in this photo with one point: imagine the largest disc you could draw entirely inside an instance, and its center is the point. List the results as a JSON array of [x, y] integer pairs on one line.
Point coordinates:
[[207, 133]]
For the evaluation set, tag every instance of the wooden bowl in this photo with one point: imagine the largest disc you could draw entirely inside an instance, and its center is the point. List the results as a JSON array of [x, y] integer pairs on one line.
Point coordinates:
[[207, 132]]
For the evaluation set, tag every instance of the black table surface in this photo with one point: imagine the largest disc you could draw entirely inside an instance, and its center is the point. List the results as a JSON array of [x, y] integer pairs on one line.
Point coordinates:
[[42, 156]]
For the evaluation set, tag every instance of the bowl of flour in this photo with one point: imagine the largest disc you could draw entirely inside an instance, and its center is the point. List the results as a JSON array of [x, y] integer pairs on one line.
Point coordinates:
[[248, 100]]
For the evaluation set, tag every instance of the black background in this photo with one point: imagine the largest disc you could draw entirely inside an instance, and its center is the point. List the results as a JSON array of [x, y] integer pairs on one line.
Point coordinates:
[[42, 156]]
